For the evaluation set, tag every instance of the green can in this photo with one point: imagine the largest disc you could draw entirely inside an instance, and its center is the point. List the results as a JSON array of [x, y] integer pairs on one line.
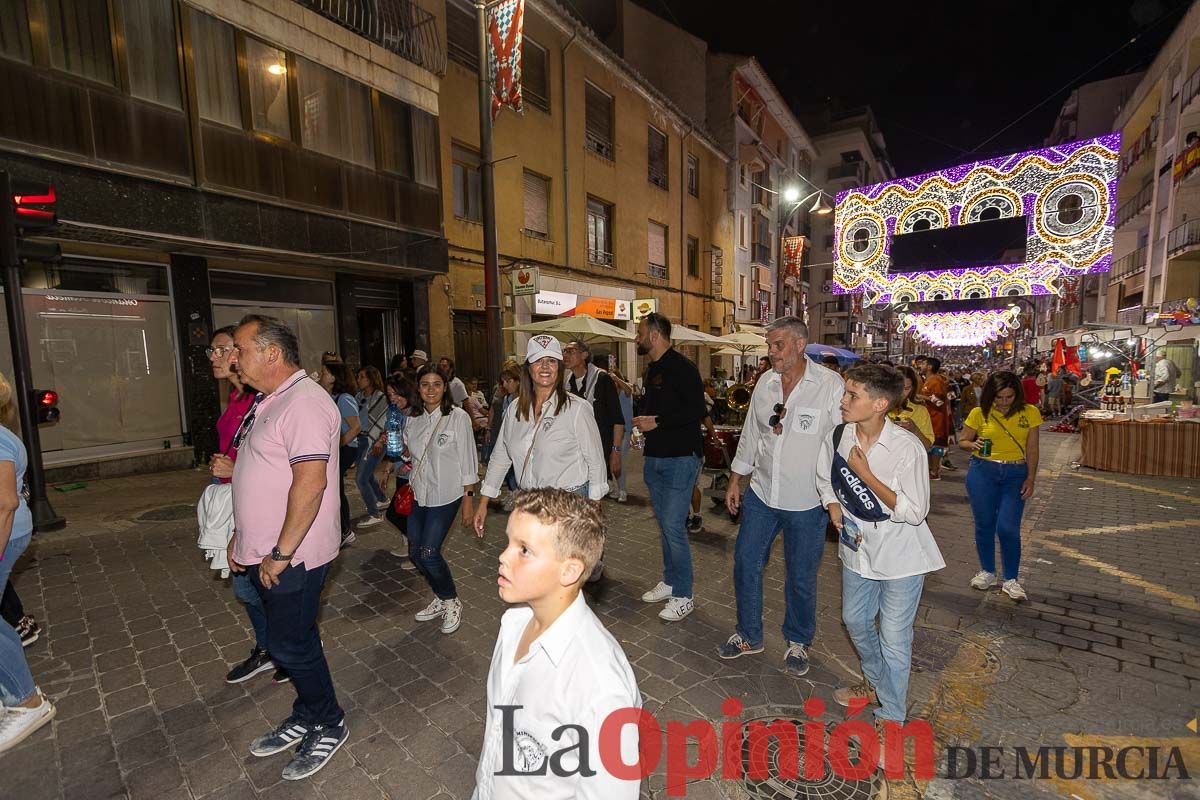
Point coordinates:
[[985, 448]]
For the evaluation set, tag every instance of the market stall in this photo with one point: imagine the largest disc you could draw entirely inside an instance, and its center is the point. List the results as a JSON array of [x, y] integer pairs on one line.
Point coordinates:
[[1142, 447]]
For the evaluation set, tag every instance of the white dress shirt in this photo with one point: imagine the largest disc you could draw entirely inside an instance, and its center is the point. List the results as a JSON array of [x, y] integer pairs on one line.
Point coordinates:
[[438, 478], [566, 455], [903, 545], [575, 673], [782, 467]]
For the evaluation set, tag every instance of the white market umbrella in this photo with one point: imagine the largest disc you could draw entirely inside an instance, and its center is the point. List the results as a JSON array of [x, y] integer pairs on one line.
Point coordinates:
[[577, 326], [686, 336], [732, 351], [744, 342]]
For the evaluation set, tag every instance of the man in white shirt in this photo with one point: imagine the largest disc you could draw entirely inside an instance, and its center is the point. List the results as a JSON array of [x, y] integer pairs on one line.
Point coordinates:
[[457, 389], [874, 481], [556, 673], [1166, 374], [794, 406]]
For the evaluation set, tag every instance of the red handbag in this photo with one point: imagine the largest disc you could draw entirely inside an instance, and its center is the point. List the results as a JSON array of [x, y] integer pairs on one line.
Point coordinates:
[[402, 500]]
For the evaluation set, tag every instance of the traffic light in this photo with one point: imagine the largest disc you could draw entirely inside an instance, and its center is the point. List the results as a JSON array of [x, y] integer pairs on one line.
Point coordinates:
[[33, 211], [46, 403]]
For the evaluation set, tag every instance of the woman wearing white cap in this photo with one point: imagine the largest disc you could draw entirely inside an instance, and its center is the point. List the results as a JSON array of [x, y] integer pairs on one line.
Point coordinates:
[[549, 436]]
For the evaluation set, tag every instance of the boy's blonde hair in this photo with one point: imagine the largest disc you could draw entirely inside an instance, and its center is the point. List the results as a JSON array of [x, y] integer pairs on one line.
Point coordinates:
[[8, 402], [579, 523]]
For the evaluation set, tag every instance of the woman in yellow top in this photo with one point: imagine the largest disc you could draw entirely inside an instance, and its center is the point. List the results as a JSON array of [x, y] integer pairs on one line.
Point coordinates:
[[1000, 482], [911, 415]]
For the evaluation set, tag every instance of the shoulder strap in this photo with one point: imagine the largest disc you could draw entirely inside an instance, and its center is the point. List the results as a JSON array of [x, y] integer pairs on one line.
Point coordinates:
[[537, 426], [1004, 428], [428, 445], [837, 435]]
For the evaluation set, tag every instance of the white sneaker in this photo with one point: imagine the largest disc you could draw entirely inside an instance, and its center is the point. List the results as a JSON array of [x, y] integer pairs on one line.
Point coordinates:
[[984, 580], [17, 723], [676, 609], [1014, 590], [432, 611], [452, 617], [657, 594], [622, 497], [369, 521], [508, 502]]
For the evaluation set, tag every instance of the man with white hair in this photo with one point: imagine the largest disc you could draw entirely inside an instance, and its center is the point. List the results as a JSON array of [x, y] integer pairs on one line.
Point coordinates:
[[795, 405]]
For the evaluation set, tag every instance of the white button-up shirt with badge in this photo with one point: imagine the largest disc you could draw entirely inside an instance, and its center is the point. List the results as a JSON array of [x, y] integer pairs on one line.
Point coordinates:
[[783, 466], [443, 454], [566, 453], [903, 545], [574, 675]]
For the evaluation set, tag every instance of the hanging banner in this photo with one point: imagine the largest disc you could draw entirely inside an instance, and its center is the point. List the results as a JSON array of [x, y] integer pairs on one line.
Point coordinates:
[[525, 281], [793, 256], [553, 304], [505, 21]]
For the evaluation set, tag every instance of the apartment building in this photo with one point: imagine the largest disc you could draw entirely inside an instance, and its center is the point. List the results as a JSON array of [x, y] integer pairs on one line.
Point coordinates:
[[852, 152], [213, 158], [605, 184]]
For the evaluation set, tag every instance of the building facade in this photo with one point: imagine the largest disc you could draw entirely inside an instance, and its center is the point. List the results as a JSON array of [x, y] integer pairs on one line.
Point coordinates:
[[604, 185], [772, 153], [852, 153], [213, 158]]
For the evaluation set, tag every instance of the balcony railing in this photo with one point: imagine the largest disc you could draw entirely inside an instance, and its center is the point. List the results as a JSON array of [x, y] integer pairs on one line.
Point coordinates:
[[1190, 90], [599, 146], [1131, 315], [1184, 236], [760, 254], [657, 270], [1127, 266], [853, 170], [400, 26], [1140, 147], [1135, 205], [600, 257]]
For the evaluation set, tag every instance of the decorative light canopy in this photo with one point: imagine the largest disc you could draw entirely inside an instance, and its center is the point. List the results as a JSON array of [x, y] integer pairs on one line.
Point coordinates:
[[1066, 193], [961, 328]]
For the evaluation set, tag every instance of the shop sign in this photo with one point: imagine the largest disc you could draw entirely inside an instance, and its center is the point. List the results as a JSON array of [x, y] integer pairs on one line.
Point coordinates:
[[525, 281], [643, 307], [553, 304], [598, 307]]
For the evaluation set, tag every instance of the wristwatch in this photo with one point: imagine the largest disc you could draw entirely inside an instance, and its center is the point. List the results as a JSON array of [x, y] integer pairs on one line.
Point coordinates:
[[278, 556], [616, 448], [470, 493]]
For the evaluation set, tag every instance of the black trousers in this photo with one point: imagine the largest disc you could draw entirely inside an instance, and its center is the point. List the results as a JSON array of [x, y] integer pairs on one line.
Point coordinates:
[[10, 607]]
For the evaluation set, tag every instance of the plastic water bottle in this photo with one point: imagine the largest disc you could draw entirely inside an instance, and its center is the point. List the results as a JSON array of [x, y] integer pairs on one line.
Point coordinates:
[[637, 439], [394, 446]]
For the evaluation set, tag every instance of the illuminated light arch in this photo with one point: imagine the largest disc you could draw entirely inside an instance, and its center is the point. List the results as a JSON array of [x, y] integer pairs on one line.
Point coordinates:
[[960, 328], [1080, 177]]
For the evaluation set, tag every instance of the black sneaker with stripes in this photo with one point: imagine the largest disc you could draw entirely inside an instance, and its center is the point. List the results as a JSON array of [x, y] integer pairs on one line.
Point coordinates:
[[290, 731], [314, 752]]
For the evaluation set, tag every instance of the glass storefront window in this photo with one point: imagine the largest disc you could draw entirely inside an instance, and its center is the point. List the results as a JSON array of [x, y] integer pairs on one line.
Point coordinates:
[[316, 328]]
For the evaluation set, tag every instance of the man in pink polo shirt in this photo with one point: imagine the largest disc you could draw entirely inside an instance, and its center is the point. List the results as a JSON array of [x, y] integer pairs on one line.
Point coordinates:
[[287, 530]]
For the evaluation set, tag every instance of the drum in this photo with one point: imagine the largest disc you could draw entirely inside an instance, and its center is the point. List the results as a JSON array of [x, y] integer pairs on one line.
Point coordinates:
[[720, 446]]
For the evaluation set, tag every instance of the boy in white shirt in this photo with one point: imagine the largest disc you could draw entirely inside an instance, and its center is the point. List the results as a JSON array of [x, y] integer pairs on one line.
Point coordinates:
[[556, 673], [873, 478]]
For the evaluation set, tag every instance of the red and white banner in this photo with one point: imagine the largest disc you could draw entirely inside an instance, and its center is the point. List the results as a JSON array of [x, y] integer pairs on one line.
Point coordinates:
[[505, 21], [793, 255]]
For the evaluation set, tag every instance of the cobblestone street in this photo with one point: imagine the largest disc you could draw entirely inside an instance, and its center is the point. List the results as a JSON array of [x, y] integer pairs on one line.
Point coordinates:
[[138, 633]]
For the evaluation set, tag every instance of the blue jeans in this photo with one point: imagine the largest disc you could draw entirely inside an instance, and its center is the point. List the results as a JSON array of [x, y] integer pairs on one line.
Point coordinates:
[[670, 482], [295, 641], [995, 493], [364, 477], [886, 652], [803, 546], [244, 590], [16, 681], [624, 461], [427, 529]]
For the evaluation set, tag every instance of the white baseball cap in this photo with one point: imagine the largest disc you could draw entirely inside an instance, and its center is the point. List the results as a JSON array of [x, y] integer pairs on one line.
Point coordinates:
[[419, 354], [541, 346]]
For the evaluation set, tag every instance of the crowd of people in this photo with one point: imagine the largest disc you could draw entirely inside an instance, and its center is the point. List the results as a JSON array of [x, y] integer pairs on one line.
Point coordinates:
[[854, 449]]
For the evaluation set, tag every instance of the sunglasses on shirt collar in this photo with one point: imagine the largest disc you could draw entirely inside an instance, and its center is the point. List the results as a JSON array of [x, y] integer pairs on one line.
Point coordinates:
[[780, 412]]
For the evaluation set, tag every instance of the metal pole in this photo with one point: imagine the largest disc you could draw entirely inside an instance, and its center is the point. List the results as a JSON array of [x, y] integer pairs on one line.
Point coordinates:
[[44, 517], [491, 247]]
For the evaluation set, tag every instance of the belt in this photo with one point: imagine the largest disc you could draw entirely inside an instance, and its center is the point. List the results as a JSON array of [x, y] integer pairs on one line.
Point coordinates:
[[998, 461]]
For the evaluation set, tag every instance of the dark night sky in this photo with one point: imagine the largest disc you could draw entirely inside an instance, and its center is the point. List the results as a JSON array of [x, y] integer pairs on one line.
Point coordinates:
[[941, 76]]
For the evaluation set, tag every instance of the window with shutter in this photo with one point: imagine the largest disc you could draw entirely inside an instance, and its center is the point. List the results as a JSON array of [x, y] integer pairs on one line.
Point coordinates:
[[693, 257], [462, 36], [467, 184], [537, 205], [598, 122], [657, 246], [693, 176], [535, 74], [599, 232], [656, 157]]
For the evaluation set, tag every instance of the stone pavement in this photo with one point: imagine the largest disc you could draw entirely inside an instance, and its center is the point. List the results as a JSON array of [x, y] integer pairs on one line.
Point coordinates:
[[138, 634]]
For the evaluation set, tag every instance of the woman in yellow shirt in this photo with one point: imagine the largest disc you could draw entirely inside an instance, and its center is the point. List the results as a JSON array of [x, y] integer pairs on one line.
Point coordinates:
[[911, 415], [1000, 482]]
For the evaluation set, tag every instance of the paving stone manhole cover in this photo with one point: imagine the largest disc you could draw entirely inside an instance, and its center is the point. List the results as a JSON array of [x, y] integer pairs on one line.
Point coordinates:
[[167, 514], [776, 787], [941, 649]]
